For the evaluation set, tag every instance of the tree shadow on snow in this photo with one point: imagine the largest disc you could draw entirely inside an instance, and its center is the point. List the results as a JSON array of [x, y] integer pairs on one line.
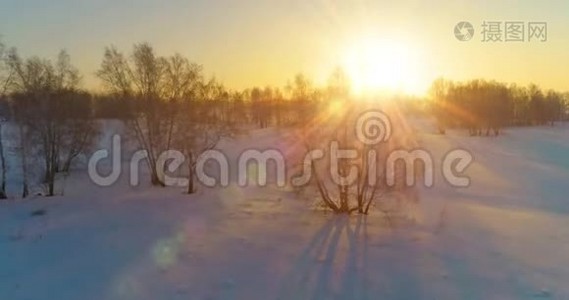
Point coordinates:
[[334, 263]]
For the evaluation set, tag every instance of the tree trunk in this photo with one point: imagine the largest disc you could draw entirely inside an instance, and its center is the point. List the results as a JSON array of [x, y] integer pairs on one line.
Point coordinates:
[[51, 187], [25, 189], [191, 188], [3, 183], [155, 179]]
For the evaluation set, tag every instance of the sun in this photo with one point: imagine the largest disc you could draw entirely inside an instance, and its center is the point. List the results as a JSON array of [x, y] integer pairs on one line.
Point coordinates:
[[381, 65]]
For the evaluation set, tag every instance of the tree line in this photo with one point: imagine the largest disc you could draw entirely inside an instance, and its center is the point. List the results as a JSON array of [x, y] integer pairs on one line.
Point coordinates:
[[485, 107], [166, 102]]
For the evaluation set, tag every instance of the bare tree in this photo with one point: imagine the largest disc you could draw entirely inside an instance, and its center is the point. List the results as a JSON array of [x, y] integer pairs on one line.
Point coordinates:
[[30, 79], [440, 105], [358, 182], [339, 85], [303, 96], [203, 125], [50, 114], [350, 184], [6, 77], [144, 78], [175, 107]]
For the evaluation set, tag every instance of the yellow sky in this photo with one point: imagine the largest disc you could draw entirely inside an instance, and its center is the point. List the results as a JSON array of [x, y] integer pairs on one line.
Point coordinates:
[[255, 43]]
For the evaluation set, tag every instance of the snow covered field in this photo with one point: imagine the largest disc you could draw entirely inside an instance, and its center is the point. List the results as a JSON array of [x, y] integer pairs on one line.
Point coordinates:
[[504, 237]]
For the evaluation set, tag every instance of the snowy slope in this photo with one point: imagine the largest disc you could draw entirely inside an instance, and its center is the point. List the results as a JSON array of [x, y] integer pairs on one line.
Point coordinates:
[[504, 237]]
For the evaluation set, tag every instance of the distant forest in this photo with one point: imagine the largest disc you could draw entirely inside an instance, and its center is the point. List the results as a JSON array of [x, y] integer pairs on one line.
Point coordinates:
[[484, 107], [167, 102]]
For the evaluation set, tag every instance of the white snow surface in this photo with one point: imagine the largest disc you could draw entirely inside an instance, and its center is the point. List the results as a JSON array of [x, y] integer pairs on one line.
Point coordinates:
[[504, 237]]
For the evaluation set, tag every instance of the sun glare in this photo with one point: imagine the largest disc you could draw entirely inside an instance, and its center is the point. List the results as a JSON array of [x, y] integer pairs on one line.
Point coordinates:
[[376, 65]]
